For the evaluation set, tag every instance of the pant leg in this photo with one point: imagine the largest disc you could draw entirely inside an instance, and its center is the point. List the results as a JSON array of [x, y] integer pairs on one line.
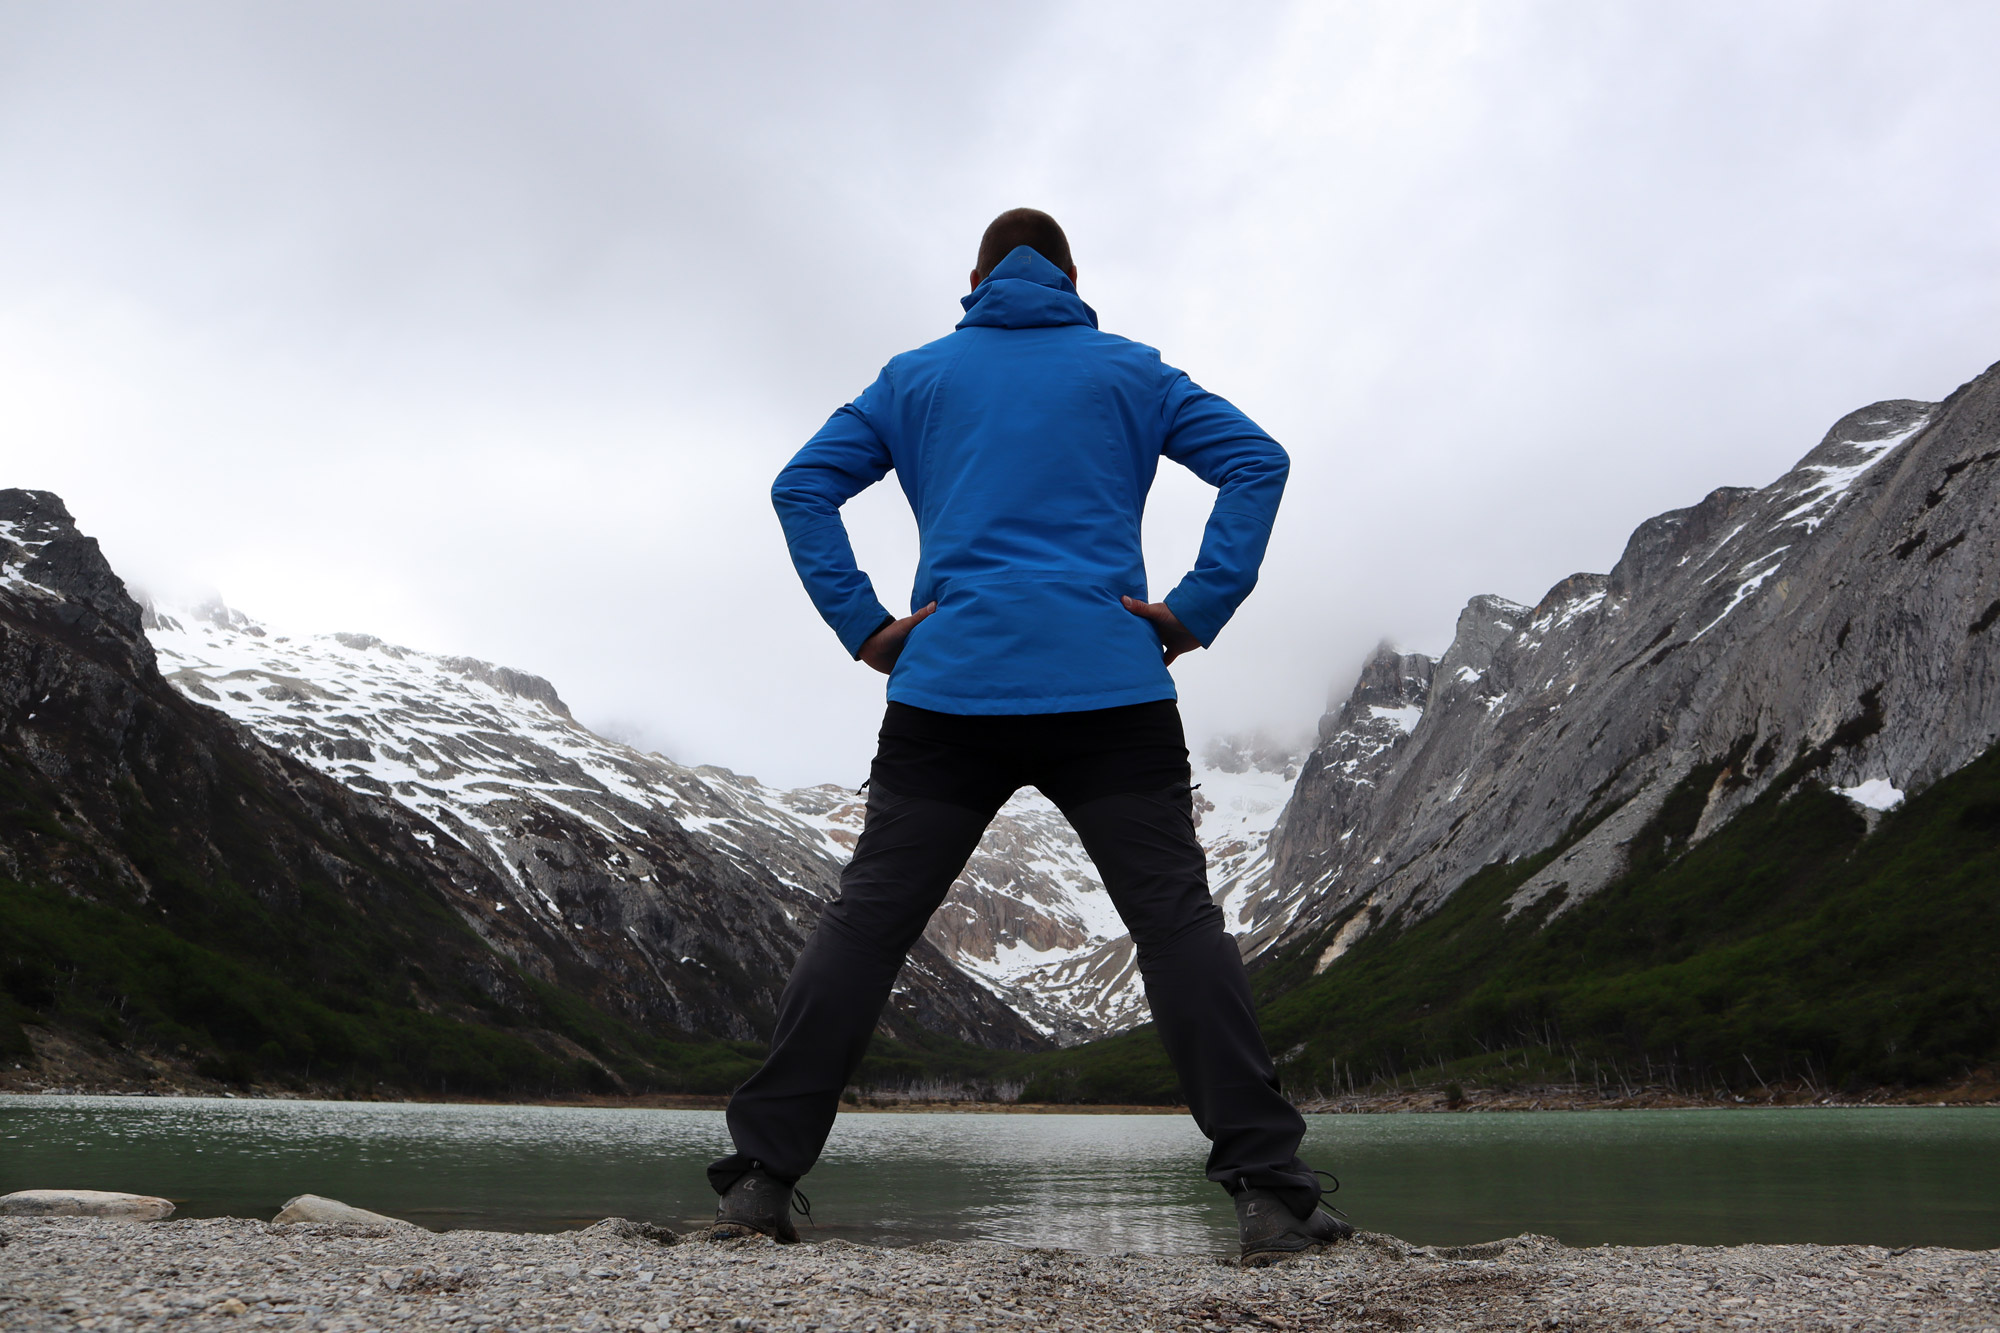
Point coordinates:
[[1145, 847], [911, 849]]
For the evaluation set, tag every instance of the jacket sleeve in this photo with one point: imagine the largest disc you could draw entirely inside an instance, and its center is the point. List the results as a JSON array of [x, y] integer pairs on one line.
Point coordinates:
[[844, 459], [1208, 436]]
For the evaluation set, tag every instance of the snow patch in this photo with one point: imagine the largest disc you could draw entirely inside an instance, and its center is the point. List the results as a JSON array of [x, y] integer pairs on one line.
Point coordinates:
[[1818, 499], [1874, 794], [1571, 610], [1745, 588], [1405, 718]]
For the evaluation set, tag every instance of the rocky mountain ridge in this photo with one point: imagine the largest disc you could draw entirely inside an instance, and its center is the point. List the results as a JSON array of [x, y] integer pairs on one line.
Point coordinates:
[[1838, 623], [1839, 620], [564, 817], [134, 795]]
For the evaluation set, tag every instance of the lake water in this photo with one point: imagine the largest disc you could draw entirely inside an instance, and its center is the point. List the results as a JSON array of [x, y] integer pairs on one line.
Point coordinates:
[[1099, 1182]]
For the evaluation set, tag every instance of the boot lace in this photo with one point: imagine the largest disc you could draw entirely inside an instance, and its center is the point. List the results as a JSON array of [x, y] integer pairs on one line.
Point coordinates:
[[1325, 1190]]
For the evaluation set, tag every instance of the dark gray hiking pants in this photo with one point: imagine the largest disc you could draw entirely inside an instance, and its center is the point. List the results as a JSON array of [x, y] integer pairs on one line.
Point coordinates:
[[1120, 775]]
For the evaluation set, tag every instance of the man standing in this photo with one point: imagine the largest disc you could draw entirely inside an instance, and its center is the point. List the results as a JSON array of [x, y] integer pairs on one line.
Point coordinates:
[[1026, 442]]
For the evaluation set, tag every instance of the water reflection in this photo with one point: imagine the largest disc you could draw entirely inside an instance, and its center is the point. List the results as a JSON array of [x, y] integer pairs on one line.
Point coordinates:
[[1103, 1183]]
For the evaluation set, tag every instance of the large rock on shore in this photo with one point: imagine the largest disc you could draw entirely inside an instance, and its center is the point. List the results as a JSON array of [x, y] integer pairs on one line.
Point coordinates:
[[86, 1203], [312, 1208]]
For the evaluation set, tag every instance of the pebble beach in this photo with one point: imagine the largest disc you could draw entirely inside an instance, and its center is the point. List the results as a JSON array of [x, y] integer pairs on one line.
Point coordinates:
[[91, 1273]]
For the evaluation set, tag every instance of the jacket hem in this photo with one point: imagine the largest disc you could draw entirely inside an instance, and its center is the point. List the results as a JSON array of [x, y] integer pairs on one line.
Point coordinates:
[[1049, 703]]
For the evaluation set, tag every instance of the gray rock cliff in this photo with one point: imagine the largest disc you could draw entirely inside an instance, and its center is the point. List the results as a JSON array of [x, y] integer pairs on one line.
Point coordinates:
[[1842, 619]]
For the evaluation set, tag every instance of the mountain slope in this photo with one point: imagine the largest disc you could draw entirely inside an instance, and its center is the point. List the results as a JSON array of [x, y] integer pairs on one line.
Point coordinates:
[[1728, 813], [688, 890], [1791, 945], [167, 883], [173, 887], [1838, 618], [650, 867], [1794, 948]]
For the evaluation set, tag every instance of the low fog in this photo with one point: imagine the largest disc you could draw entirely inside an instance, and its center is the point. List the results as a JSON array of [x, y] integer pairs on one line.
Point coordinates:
[[484, 327]]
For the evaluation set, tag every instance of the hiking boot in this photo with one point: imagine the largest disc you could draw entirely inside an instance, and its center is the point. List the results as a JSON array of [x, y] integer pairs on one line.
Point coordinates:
[[756, 1205], [1271, 1231]]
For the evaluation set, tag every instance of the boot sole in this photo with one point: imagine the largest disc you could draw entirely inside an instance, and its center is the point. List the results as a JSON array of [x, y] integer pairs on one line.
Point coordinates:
[[743, 1231], [1265, 1258]]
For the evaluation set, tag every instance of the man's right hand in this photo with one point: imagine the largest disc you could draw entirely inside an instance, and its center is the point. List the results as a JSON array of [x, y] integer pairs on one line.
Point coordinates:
[[885, 645], [1175, 638]]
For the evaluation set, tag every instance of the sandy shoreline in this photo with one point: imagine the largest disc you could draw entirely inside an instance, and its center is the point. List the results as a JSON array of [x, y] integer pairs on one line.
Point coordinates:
[[77, 1273]]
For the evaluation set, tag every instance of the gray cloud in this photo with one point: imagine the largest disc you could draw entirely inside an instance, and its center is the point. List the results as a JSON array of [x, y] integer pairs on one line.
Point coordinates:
[[484, 327]]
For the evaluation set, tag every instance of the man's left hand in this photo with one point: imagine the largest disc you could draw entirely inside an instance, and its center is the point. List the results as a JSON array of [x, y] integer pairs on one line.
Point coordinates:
[[885, 645], [1175, 638]]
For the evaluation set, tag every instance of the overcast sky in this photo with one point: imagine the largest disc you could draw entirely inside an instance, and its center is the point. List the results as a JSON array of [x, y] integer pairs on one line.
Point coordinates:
[[484, 327]]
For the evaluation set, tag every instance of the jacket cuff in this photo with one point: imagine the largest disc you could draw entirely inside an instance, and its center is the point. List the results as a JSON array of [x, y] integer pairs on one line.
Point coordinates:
[[861, 627], [1203, 616]]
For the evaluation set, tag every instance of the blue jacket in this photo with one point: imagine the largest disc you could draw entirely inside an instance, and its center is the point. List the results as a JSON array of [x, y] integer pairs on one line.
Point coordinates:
[[1026, 442]]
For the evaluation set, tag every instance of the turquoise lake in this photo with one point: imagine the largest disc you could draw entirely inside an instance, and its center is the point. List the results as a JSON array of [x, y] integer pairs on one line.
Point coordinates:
[[1902, 1176]]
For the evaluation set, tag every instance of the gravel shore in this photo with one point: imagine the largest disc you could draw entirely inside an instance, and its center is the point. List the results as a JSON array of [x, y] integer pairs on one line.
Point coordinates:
[[78, 1273]]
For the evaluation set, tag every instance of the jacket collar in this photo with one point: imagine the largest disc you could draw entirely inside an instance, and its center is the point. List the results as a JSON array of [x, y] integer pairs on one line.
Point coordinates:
[[1025, 291]]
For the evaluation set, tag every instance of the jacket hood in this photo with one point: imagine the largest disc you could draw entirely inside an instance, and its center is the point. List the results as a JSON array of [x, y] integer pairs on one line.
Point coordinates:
[[1025, 291]]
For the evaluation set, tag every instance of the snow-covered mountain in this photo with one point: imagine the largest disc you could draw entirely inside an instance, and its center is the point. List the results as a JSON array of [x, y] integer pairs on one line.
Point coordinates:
[[1093, 987], [690, 889], [572, 822], [1834, 616], [1839, 622]]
